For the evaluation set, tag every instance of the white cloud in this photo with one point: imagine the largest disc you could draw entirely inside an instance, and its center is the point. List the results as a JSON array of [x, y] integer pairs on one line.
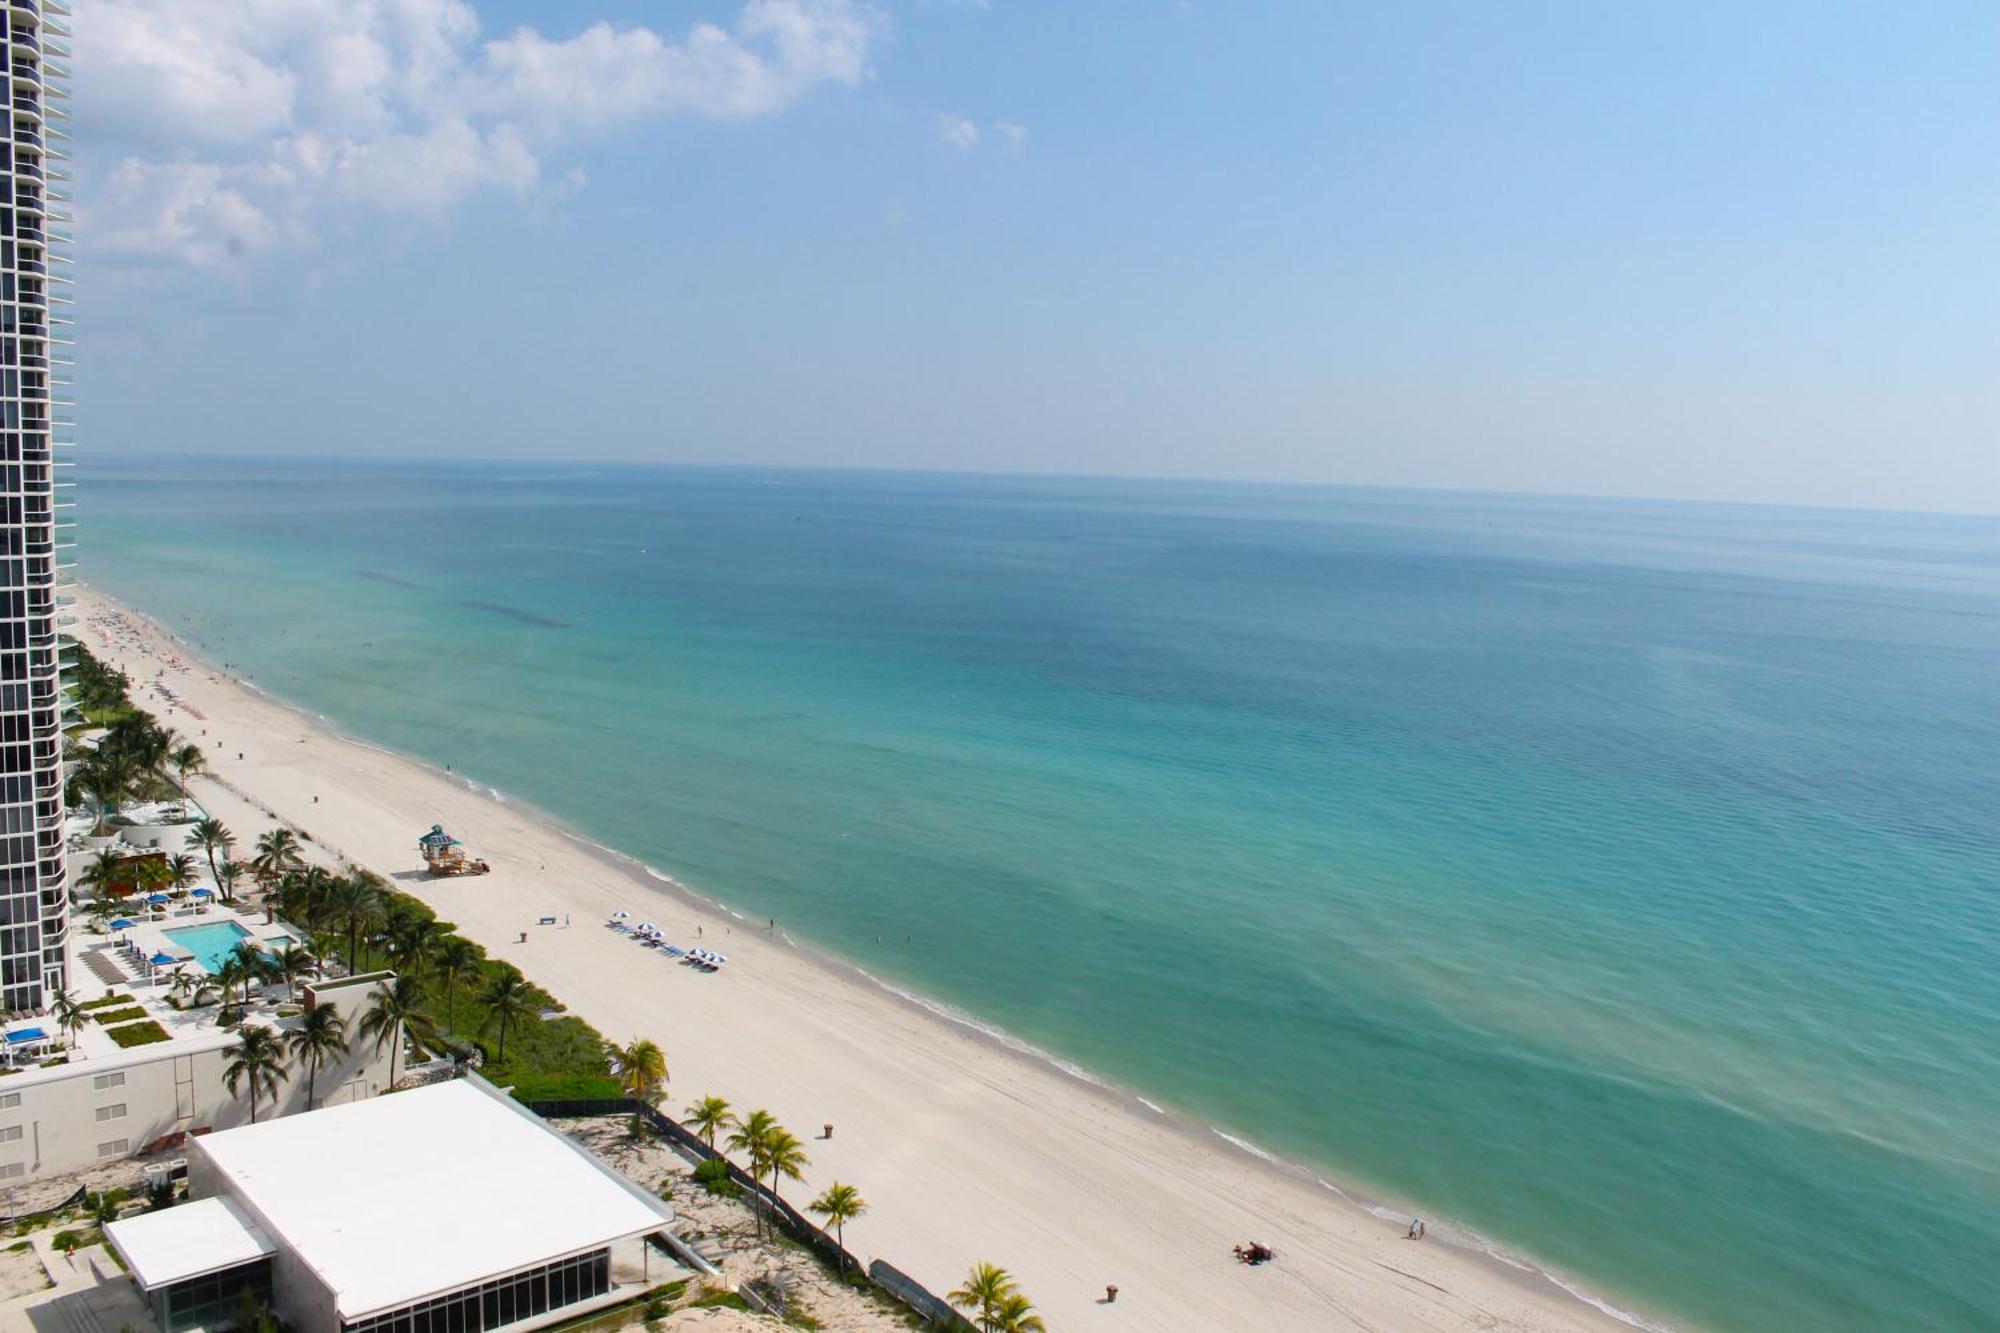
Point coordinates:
[[240, 126], [1015, 135], [958, 133]]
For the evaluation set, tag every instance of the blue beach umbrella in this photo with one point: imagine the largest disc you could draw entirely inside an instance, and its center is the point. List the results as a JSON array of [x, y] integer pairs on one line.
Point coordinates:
[[204, 893], [156, 897], [163, 960], [121, 924]]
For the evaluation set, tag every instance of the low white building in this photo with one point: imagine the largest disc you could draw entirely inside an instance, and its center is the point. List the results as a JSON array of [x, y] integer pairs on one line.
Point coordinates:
[[109, 1102], [445, 1209]]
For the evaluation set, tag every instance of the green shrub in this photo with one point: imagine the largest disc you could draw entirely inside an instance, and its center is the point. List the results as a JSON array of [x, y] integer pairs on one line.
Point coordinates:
[[566, 1087], [566, 1045], [103, 1000], [138, 1034], [110, 1016], [713, 1175]]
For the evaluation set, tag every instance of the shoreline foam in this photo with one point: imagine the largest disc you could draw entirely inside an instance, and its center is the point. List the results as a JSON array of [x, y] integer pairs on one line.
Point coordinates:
[[1525, 1276]]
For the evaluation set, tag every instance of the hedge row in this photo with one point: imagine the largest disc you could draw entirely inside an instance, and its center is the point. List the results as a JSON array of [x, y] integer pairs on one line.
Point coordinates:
[[138, 1034], [565, 1087]]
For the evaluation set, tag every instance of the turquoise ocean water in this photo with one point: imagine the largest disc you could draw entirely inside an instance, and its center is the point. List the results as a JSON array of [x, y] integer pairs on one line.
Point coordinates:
[[1619, 879]]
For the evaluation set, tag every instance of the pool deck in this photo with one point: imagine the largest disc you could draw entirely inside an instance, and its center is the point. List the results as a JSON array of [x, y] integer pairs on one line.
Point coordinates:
[[150, 935]]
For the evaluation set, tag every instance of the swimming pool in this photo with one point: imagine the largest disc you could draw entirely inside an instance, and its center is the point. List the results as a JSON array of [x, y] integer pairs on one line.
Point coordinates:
[[210, 944]]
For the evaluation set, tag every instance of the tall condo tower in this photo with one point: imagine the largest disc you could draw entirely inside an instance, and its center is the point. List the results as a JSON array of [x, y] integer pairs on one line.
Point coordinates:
[[34, 525]]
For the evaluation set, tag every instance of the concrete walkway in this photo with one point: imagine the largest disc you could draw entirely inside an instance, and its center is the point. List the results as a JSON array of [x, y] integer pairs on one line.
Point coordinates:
[[91, 1295]]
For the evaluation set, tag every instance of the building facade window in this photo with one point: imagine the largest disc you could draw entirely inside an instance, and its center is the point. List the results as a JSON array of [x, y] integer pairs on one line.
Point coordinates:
[[210, 1301], [115, 1111], [114, 1148], [13, 1170], [36, 527], [10, 1134], [501, 1301], [9, 1100], [103, 1081]]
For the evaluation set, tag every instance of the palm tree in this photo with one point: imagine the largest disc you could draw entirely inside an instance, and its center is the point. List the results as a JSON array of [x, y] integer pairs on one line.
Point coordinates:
[[147, 744], [1015, 1315], [749, 1136], [784, 1155], [180, 871], [227, 876], [105, 869], [986, 1286], [357, 905], [277, 852], [237, 970], [260, 1062], [304, 894], [191, 985], [413, 941], [708, 1115], [69, 1015], [106, 778], [398, 1009], [320, 1038], [294, 962], [642, 1070], [213, 836], [186, 759], [509, 1000], [839, 1205], [457, 960], [149, 875], [326, 946], [752, 1138]]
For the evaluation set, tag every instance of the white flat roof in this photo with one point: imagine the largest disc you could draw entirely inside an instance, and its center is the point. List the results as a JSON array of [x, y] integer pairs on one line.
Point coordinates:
[[174, 1244], [414, 1194]]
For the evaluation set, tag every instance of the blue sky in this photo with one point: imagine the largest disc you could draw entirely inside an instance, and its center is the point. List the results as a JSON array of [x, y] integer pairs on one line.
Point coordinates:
[[1723, 251]]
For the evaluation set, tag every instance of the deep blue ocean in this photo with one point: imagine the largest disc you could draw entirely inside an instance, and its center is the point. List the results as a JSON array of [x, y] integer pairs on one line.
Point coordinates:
[[1620, 879]]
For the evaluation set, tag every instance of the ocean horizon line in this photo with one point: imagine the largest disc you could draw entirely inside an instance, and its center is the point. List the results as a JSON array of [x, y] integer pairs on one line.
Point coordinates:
[[417, 460]]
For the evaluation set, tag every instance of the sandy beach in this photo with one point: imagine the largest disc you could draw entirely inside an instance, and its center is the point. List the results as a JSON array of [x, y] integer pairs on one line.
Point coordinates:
[[966, 1149]]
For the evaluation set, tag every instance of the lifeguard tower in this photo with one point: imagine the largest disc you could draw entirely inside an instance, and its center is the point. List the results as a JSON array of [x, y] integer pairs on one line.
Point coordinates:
[[445, 855]]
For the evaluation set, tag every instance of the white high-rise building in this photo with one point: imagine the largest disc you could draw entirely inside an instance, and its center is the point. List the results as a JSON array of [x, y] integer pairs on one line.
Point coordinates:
[[34, 522]]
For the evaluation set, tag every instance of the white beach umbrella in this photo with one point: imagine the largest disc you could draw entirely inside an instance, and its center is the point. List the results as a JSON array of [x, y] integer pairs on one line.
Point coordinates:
[[649, 928], [620, 915]]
